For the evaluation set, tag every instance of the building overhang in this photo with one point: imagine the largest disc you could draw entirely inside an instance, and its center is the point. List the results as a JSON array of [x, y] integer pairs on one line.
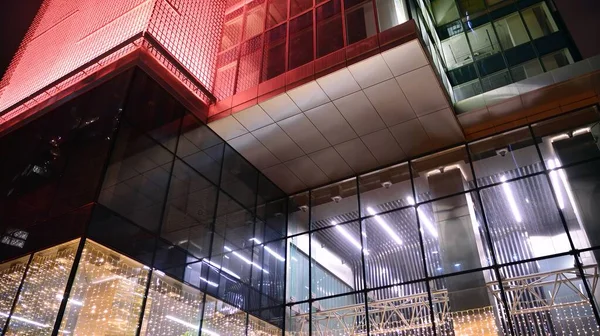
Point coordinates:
[[307, 127]]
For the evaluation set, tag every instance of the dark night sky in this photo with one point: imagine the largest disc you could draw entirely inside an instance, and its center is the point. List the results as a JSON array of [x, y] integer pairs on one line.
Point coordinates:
[[580, 16]]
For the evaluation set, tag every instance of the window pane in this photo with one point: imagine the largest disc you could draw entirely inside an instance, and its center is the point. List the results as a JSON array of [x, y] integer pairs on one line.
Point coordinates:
[[274, 53], [172, 308], [232, 29], [511, 31], [344, 315], [391, 13], [557, 60], [137, 179], [394, 249], [467, 90], [297, 269], [336, 261], [385, 190], [239, 179], [454, 236], [539, 20], [523, 219], [497, 80], [470, 7], [483, 41], [299, 6], [200, 148], [549, 294], [526, 70], [456, 51], [336, 203], [441, 174], [301, 40], [510, 154], [249, 70], [298, 213], [107, 293], [360, 22], [190, 206], [330, 36], [11, 274], [42, 292], [444, 11], [227, 63], [234, 225], [390, 307], [255, 18], [277, 12], [222, 318], [269, 323], [297, 319], [469, 304]]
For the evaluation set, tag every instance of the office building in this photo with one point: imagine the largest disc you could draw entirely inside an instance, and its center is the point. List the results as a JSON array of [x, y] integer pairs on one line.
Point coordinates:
[[299, 167]]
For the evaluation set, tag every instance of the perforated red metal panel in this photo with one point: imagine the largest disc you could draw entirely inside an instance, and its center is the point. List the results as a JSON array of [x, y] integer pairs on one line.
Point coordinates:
[[71, 39]]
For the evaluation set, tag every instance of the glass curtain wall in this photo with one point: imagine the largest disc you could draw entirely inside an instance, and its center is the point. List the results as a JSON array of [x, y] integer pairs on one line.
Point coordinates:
[[485, 45], [263, 39], [494, 237]]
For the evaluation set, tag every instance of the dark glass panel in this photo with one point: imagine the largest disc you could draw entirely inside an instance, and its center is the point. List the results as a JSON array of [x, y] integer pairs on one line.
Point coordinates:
[[330, 36], [274, 53], [360, 22], [301, 40]]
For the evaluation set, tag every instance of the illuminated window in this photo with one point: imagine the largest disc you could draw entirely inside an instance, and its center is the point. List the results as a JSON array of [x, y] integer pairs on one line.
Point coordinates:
[[221, 318], [42, 293], [11, 275], [107, 295], [172, 308]]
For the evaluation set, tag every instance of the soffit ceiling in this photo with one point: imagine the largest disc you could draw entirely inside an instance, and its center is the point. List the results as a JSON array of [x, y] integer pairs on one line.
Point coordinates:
[[381, 110]]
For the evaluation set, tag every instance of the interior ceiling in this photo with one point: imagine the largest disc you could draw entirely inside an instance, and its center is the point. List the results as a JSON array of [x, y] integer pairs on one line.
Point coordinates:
[[381, 110]]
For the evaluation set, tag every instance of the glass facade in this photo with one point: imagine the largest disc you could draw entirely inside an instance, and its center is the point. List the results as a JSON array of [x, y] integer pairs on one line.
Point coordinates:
[[127, 215], [485, 45], [282, 35]]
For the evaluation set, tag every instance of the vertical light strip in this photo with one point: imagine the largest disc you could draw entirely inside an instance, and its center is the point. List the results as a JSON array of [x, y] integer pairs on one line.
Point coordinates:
[[424, 219], [552, 164], [349, 237], [385, 226], [511, 200]]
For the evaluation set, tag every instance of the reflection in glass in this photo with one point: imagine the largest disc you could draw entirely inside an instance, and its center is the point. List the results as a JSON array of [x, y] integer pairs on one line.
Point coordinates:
[[107, 294], [468, 304], [172, 308], [549, 295], [42, 292], [483, 41], [441, 174], [11, 275], [391, 13], [297, 320], [511, 154], [385, 190], [297, 269], [298, 212], [221, 318], [360, 22], [335, 203], [539, 20], [511, 31], [557, 59], [336, 261], [258, 327], [392, 241], [401, 310], [523, 219], [343, 315]]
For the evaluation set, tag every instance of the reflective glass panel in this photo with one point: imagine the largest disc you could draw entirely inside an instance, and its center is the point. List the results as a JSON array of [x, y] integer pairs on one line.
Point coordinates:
[[549, 295], [298, 212], [107, 294], [443, 11], [11, 275], [336, 203], [523, 219], [394, 249], [42, 292], [391, 13], [301, 40], [274, 52], [360, 22], [483, 41], [343, 315], [557, 59], [469, 304], [512, 154], [441, 174], [539, 20], [511, 31], [330, 36], [297, 320], [336, 261], [297, 269], [172, 308], [277, 12], [221, 318], [385, 190]]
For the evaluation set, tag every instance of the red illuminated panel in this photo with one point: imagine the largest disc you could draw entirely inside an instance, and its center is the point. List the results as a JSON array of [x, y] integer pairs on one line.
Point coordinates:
[[66, 35], [71, 39]]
